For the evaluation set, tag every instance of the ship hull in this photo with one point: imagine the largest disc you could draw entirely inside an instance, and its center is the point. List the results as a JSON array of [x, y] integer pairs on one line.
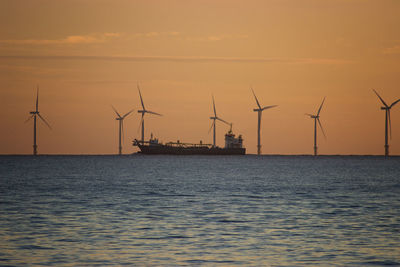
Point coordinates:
[[172, 150]]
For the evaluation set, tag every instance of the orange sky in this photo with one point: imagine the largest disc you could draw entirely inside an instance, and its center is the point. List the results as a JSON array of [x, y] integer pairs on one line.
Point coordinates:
[[87, 55]]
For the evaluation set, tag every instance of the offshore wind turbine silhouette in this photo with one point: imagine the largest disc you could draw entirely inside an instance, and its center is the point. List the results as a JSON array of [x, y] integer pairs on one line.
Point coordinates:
[[387, 121], [215, 118], [34, 115], [259, 110], [316, 119], [144, 111], [121, 127]]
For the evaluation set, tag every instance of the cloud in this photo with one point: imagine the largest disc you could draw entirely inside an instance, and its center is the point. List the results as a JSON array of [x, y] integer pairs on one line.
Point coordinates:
[[89, 38], [156, 34], [182, 36], [318, 61], [105, 37], [220, 37], [392, 50], [72, 39]]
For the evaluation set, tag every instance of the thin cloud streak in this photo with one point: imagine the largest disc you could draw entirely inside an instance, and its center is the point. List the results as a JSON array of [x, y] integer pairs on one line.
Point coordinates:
[[87, 39], [156, 34], [392, 50], [221, 37], [317, 61], [104, 37], [72, 39]]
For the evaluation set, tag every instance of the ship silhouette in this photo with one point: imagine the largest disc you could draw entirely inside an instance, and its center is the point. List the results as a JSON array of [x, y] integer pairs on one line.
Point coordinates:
[[233, 146]]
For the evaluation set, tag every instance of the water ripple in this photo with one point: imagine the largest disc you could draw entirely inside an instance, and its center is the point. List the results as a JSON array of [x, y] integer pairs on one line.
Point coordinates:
[[167, 210]]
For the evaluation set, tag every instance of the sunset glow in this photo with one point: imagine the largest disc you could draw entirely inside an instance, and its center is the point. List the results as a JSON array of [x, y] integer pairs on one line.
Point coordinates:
[[88, 55]]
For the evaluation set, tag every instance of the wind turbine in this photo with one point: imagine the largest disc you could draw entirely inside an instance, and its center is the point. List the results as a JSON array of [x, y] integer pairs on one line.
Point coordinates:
[[121, 127], [387, 121], [259, 110], [316, 119], [144, 111], [213, 125], [34, 115]]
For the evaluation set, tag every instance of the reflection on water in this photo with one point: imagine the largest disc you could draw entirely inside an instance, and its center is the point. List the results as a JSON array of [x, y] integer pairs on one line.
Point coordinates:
[[199, 210]]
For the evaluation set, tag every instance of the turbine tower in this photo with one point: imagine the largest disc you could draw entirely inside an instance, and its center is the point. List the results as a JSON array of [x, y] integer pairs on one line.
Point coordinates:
[[387, 121], [213, 125], [316, 119], [121, 127], [259, 110], [144, 111], [34, 115]]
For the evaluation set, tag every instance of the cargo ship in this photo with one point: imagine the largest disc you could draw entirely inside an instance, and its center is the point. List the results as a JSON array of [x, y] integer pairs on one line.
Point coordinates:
[[233, 146]]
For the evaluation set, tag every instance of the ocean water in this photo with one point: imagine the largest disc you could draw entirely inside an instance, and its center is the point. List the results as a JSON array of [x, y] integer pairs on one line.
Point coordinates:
[[199, 210]]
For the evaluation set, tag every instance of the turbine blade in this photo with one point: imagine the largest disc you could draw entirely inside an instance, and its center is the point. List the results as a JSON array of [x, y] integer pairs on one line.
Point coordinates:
[[123, 117], [258, 103], [268, 107], [394, 103], [29, 118], [215, 111], [48, 125], [383, 102], [37, 98], [152, 112], [212, 125], [222, 120], [320, 125], [319, 110], [308, 114], [116, 111], [140, 94]]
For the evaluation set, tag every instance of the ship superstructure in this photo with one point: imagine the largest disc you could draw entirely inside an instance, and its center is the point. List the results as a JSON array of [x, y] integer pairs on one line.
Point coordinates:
[[231, 141]]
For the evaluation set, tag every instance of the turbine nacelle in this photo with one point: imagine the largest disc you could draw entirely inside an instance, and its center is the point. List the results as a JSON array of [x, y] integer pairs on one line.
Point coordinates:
[[215, 118], [312, 116], [260, 109], [215, 113], [388, 122], [317, 121], [144, 111], [35, 114], [120, 119]]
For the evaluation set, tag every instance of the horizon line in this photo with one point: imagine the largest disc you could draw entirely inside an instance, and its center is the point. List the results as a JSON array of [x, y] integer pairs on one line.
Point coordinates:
[[250, 154], [200, 59]]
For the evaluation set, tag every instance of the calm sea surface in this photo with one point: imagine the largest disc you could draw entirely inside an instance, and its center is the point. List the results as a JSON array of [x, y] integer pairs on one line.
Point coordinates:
[[199, 210]]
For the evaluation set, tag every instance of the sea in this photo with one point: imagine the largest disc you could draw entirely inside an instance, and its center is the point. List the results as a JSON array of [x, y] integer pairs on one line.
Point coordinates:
[[250, 210]]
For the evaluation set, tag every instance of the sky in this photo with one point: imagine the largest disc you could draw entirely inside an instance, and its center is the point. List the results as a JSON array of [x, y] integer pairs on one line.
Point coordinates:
[[88, 55]]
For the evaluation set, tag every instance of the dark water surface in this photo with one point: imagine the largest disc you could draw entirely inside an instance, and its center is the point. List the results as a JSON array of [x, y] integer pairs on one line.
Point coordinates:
[[199, 210]]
